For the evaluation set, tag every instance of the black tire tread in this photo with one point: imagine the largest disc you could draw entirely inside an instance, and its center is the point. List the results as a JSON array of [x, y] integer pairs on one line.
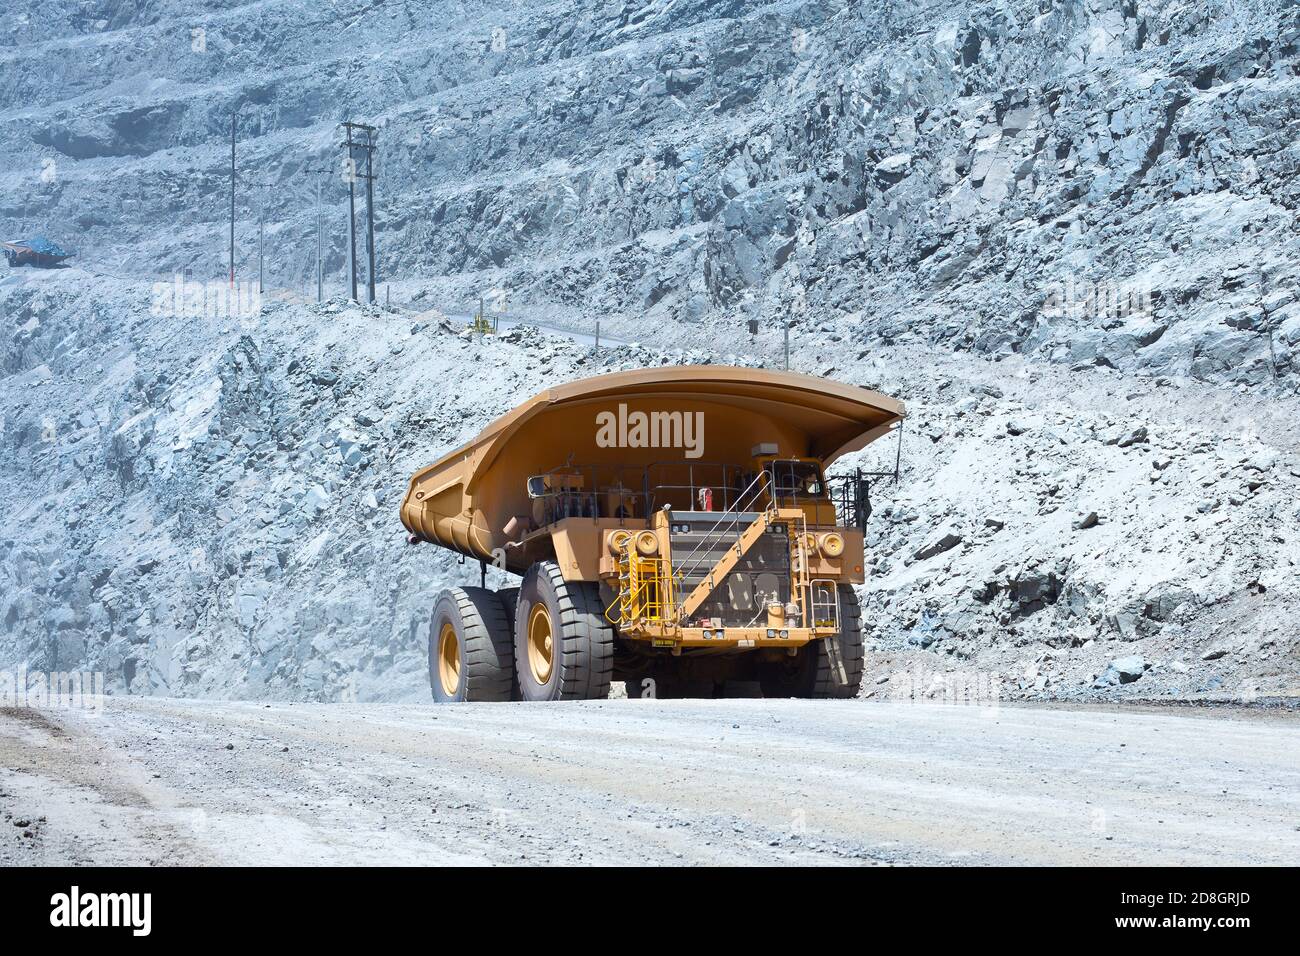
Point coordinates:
[[586, 652], [489, 646], [846, 651]]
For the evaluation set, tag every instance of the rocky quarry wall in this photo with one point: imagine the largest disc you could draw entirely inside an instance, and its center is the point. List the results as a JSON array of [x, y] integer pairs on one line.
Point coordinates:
[[1064, 233]]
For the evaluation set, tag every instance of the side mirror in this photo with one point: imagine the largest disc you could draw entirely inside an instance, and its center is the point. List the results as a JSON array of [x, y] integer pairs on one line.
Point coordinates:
[[537, 486]]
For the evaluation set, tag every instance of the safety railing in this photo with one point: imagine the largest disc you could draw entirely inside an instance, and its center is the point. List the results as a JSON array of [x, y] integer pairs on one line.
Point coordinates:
[[628, 492], [851, 495], [645, 592], [729, 523], [593, 491], [824, 603], [681, 484]]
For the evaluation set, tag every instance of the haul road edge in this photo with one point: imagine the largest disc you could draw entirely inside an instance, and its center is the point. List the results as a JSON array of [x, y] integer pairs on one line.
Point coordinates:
[[673, 528]]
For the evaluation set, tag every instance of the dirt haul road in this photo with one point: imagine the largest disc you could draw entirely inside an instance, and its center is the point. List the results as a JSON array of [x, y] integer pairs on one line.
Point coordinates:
[[610, 782]]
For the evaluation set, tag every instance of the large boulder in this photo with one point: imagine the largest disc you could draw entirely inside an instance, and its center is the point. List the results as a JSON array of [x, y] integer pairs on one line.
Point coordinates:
[[1122, 670]]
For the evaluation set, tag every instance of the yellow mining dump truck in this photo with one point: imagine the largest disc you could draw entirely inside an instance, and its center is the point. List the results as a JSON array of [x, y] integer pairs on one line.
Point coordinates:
[[674, 529]]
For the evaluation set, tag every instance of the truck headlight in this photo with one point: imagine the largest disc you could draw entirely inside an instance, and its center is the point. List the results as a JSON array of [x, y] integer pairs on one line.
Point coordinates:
[[617, 541], [647, 544], [831, 544]]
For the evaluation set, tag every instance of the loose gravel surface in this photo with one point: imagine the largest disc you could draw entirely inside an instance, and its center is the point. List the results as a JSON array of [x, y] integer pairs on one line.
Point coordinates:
[[152, 781]]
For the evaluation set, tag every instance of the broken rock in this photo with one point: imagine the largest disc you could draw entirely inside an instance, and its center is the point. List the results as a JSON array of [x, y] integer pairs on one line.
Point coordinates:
[[1135, 437], [1122, 670], [945, 540]]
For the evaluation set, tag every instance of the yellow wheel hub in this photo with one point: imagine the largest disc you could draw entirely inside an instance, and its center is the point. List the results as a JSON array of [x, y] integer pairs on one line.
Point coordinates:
[[449, 659], [541, 643]]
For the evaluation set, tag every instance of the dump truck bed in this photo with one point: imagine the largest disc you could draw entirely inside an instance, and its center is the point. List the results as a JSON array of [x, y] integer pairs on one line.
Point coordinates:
[[474, 500]]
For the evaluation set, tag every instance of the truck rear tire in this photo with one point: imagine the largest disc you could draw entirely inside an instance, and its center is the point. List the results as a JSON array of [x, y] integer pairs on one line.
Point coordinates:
[[829, 667], [471, 655], [564, 647], [509, 598]]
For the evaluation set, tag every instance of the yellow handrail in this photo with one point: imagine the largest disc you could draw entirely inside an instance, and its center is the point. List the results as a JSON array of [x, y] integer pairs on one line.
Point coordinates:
[[645, 589]]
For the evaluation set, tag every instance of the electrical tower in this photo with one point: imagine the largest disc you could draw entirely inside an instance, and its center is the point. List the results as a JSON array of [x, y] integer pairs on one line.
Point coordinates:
[[352, 145]]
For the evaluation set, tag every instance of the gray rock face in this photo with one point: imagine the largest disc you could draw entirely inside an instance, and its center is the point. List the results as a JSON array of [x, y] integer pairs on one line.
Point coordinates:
[[1100, 184], [1065, 235]]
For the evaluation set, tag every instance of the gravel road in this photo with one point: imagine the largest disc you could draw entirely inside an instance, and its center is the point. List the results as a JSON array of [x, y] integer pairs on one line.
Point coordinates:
[[156, 781]]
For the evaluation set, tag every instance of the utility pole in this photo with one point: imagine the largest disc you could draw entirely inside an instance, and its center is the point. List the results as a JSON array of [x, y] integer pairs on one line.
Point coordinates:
[[318, 269], [370, 215], [233, 115], [320, 284], [787, 346], [320, 231], [351, 146], [351, 174], [261, 226]]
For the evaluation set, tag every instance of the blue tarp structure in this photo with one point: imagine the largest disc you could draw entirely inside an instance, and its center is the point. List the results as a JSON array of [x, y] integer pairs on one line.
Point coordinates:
[[37, 251], [42, 245]]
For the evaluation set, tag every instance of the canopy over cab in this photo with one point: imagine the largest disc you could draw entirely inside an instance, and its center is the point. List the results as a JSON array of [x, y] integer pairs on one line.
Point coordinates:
[[629, 443]]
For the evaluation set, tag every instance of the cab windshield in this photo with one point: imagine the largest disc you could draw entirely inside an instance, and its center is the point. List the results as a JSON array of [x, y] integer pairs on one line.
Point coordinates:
[[797, 479]]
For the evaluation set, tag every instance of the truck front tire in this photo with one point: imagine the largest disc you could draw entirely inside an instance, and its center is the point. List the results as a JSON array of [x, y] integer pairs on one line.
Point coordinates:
[[564, 647], [471, 657], [828, 667]]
